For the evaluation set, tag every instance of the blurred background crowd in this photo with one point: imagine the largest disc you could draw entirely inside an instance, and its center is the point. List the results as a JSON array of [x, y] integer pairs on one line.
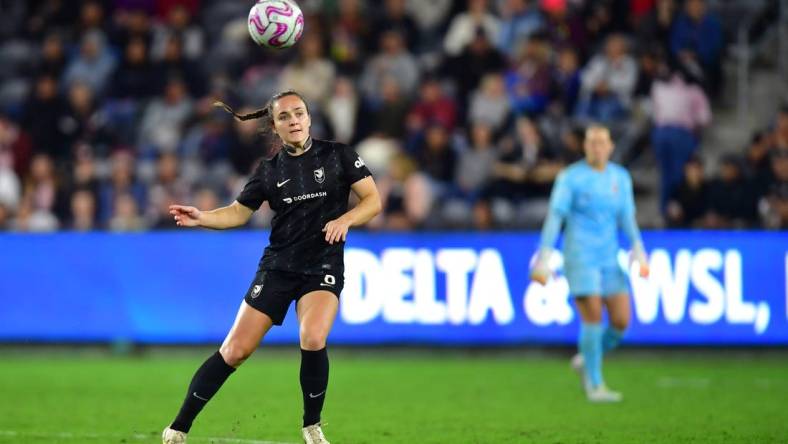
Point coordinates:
[[464, 110]]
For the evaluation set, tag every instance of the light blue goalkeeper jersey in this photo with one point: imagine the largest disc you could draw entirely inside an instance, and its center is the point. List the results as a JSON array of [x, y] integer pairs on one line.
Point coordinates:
[[592, 205]]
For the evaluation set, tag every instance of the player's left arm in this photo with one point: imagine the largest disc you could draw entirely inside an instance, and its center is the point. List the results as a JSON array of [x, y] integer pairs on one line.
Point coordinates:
[[628, 223], [369, 206]]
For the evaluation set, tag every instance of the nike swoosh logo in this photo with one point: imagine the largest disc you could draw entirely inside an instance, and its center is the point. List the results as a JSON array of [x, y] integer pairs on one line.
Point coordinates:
[[316, 396], [279, 184], [199, 397]]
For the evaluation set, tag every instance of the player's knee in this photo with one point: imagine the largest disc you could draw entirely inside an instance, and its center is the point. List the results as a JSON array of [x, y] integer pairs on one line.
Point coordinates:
[[312, 339], [620, 323], [235, 354]]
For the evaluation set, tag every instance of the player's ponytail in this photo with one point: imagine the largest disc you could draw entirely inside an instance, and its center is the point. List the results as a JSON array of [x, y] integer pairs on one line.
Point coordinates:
[[253, 115]]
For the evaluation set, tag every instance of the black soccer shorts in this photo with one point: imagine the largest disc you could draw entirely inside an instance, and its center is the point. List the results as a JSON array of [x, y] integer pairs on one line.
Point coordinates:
[[272, 291]]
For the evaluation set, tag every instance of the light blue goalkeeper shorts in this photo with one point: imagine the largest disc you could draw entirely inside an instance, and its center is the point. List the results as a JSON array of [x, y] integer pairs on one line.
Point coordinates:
[[587, 280]]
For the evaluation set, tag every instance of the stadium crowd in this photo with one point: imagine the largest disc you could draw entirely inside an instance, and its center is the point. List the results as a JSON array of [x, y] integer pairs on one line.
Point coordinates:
[[465, 111]]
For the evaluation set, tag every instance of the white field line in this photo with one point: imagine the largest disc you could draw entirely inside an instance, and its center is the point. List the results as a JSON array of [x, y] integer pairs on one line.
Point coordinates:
[[135, 436]]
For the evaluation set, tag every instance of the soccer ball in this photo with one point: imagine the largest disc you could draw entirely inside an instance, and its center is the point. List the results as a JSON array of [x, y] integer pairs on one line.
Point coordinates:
[[276, 23]]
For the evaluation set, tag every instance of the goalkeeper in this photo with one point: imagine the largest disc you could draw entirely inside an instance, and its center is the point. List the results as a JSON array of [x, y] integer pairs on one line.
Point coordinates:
[[592, 198]]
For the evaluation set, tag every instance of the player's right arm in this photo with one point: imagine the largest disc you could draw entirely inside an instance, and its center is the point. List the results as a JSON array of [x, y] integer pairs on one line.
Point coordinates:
[[560, 203], [233, 215]]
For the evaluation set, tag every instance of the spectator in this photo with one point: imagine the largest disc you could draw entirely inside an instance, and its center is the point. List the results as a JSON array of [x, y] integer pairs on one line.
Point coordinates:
[[650, 62], [10, 186], [521, 20], [526, 166], [437, 160], [206, 197], [162, 123], [31, 219], [93, 66], [774, 208], [46, 16], [608, 82], [430, 16], [83, 211], [122, 181], [465, 26], [179, 24], [386, 117], [528, 82], [566, 78], [349, 35], [82, 121], [490, 105], [125, 215], [396, 17], [433, 106], [405, 194], [91, 17], [169, 187], [392, 62], [377, 152], [135, 78], [680, 111], [83, 176], [132, 22], [204, 149], [781, 130], [758, 163], [689, 202], [600, 18], [732, 201], [696, 42], [175, 64], [42, 197], [474, 172], [475, 165], [15, 147], [311, 74], [42, 117], [638, 9], [654, 29], [53, 60], [476, 60], [342, 110], [564, 26]]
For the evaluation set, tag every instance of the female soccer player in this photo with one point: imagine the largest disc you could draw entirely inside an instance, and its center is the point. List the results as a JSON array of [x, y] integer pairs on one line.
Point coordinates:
[[594, 198], [307, 185]]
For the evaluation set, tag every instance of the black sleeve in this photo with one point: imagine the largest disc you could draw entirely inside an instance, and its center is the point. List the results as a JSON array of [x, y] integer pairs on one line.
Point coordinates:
[[354, 166], [253, 194]]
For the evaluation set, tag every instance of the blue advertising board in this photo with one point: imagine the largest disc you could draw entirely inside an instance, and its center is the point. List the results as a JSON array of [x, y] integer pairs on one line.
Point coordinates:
[[429, 288]]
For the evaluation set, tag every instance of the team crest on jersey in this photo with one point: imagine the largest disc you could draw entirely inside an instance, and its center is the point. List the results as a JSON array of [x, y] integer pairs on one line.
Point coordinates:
[[320, 175], [615, 188], [256, 291]]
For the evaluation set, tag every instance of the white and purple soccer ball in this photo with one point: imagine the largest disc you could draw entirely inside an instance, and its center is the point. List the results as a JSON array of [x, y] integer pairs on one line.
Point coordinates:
[[276, 23]]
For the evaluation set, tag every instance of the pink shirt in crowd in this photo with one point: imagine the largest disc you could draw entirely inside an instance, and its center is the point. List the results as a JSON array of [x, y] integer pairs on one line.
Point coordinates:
[[677, 103]]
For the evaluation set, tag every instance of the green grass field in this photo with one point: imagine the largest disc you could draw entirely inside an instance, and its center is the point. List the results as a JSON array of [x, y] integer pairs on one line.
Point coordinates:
[[400, 397]]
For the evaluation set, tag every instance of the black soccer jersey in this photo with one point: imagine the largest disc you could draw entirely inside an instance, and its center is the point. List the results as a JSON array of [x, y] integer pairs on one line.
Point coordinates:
[[305, 192]]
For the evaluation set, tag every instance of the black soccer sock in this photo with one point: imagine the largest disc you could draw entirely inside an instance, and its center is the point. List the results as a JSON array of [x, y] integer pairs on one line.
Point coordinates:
[[205, 383], [314, 381]]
